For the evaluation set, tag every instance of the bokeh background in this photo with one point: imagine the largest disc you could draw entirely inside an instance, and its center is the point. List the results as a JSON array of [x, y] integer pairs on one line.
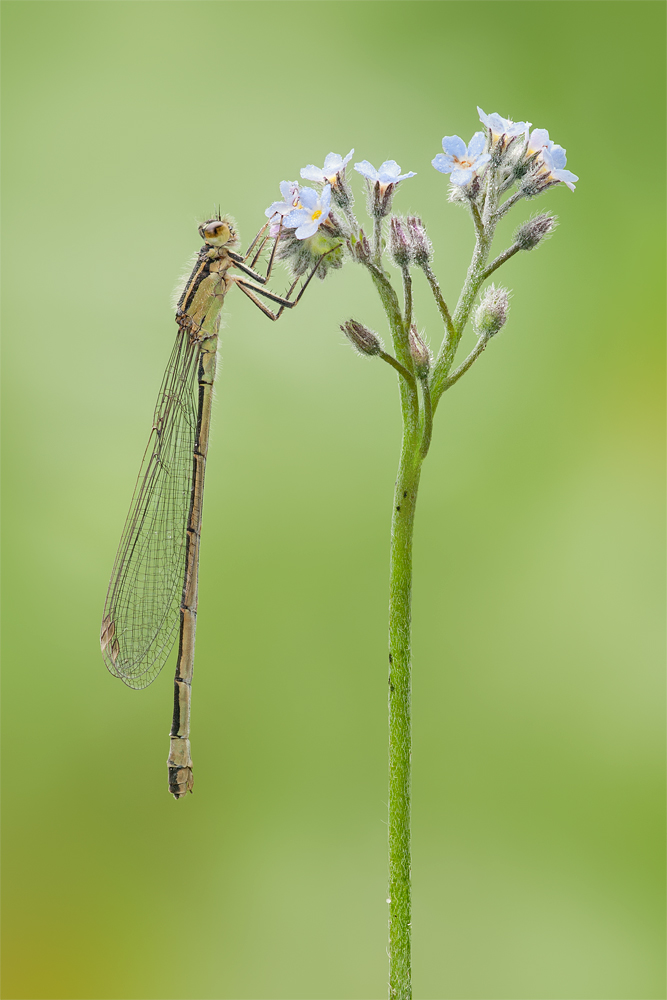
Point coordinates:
[[538, 708]]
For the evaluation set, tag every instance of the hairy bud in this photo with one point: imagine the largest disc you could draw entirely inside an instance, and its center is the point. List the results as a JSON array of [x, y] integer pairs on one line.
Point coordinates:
[[535, 183], [419, 351], [422, 251], [400, 247], [531, 233], [362, 339], [341, 193], [379, 198], [359, 247], [491, 313]]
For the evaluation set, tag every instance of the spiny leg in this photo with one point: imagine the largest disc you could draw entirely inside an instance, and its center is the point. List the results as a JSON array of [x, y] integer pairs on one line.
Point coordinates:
[[275, 247], [250, 248], [285, 302], [255, 275]]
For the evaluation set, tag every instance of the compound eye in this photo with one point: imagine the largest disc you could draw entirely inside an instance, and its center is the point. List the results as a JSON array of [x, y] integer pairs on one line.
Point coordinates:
[[215, 232]]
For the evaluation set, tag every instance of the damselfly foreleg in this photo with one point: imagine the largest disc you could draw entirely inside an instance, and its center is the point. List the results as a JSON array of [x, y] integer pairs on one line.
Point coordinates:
[[240, 261], [284, 301]]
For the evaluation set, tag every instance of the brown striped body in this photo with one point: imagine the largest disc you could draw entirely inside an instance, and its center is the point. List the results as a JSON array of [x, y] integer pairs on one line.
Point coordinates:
[[199, 311]]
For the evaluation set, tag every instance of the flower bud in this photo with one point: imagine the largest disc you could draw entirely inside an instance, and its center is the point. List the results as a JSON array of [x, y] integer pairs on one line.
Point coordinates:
[[362, 339], [419, 351], [399, 244], [534, 183], [341, 193], [532, 232], [379, 198], [492, 311], [359, 247], [422, 250]]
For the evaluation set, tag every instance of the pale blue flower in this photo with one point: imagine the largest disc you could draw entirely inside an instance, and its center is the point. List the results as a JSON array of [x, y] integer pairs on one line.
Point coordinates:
[[334, 164], [313, 212], [538, 140], [461, 161], [389, 173], [290, 192], [551, 157], [503, 126], [555, 161]]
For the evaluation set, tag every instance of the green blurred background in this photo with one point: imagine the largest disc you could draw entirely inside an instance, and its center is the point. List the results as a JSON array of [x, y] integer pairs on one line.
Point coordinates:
[[538, 708]]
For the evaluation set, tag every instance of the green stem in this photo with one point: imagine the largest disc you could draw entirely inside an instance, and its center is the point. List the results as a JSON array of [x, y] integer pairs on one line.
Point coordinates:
[[465, 365], [506, 205], [474, 279], [400, 595], [500, 259], [407, 299], [440, 302], [409, 394], [428, 418], [408, 376], [377, 241], [400, 724]]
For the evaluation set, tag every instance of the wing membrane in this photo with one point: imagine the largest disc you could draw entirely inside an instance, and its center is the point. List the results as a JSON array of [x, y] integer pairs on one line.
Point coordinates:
[[141, 614]]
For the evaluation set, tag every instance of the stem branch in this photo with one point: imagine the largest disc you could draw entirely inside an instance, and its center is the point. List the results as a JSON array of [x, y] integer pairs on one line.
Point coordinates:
[[408, 376], [465, 365], [500, 259]]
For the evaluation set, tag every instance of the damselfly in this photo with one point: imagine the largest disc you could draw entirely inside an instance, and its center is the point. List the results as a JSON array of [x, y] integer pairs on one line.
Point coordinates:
[[153, 588]]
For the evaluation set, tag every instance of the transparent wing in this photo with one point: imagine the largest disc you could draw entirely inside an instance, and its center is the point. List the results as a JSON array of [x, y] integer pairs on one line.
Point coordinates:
[[141, 613]]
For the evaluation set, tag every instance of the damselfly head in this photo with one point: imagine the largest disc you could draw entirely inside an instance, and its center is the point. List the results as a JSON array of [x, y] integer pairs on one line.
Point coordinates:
[[218, 232]]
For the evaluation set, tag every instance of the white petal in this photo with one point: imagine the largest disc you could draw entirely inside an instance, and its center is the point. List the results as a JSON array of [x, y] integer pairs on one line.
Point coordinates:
[[455, 146], [476, 144], [308, 229], [367, 169], [308, 198], [312, 173]]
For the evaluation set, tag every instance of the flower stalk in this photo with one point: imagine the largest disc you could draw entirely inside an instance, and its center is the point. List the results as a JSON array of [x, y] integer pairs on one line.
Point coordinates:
[[504, 154]]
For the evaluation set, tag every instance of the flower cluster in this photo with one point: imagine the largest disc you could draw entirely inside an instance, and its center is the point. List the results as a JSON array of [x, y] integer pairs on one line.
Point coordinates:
[[514, 153], [317, 223]]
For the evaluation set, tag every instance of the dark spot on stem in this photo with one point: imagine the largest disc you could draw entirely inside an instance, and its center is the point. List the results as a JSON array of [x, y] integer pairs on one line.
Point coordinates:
[[405, 493], [399, 507], [391, 658], [391, 686]]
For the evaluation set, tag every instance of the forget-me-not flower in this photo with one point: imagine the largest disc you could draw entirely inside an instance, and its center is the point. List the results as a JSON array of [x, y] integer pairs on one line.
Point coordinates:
[[334, 164], [502, 126], [290, 192], [555, 160], [552, 156], [389, 173], [313, 212], [461, 161]]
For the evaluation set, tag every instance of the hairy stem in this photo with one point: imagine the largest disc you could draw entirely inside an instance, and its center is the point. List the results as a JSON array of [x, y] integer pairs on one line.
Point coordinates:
[[400, 595], [407, 298], [474, 279], [500, 259], [409, 394], [377, 241], [428, 418], [408, 376], [465, 365], [440, 302], [400, 724]]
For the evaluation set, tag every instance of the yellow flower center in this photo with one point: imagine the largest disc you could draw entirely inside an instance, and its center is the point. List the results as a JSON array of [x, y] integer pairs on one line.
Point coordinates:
[[316, 214]]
